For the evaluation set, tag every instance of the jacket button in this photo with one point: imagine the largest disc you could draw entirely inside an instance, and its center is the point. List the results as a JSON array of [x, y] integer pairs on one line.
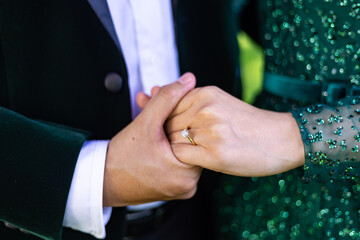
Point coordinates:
[[113, 82]]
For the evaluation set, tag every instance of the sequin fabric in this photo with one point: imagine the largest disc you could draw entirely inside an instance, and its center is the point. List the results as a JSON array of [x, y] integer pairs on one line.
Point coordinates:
[[319, 41]]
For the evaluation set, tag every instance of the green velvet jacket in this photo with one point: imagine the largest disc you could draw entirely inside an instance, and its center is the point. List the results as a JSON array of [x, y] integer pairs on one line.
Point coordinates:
[[54, 56]]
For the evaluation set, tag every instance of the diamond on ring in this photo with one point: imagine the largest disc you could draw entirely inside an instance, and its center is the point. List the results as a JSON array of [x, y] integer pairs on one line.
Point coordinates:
[[185, 133]]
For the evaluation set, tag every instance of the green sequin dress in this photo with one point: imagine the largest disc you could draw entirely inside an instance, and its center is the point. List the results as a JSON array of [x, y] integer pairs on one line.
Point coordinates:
[[317, 41]]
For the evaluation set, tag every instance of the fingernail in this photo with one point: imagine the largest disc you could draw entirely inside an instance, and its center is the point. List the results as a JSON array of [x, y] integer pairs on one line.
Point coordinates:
[[185, 79]]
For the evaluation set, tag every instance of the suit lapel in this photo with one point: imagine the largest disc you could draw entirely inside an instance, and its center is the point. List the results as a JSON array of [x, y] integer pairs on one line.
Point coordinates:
[[102, 11]]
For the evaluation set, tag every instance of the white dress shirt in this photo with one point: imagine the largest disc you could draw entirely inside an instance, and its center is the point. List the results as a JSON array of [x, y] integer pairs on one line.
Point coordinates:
[[146, 34]]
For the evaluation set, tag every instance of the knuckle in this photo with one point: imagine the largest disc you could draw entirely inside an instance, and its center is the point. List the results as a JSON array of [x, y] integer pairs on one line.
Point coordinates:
[[206, 113], [214, 89], [170, 189], [209, 91], [167, 92], [181, 188], [189, 194], [204, 93], [188, 186]]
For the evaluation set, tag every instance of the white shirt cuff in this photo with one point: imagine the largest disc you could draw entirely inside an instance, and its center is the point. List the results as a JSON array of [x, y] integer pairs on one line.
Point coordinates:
[[84, 209]]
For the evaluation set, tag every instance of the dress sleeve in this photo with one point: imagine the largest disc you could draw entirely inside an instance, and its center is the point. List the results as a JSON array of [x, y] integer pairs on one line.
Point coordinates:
[[331, 137]]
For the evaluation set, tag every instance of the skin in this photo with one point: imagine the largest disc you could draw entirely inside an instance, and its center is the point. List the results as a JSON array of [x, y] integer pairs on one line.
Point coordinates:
[[140, 164], [232, 137]]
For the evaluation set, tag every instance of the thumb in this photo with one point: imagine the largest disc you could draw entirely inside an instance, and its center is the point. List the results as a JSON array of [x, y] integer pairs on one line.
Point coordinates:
[[154, 91], [142, 99], [163, 103]]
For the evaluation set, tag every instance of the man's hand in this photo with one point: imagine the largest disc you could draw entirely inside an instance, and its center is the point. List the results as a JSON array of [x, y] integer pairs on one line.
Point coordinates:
[[233, 137], [140, 165]]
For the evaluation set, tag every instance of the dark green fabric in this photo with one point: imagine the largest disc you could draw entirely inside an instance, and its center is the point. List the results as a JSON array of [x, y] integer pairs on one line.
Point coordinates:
[[315, 41], [43, 156], [54, 56], [293, 88]]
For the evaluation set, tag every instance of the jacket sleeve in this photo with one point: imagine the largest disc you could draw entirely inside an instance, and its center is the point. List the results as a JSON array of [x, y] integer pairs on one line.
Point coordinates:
[[331, 137], [37, 162]]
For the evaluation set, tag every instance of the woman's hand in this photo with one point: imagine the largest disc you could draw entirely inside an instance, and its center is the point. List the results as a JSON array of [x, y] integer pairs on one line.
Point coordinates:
[[233, 137]]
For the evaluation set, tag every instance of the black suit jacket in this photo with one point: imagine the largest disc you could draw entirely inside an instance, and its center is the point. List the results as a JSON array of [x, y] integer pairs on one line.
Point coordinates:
[[54, 56]]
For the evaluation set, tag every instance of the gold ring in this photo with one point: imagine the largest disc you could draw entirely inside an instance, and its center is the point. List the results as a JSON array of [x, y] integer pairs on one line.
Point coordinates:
[[185, 134]]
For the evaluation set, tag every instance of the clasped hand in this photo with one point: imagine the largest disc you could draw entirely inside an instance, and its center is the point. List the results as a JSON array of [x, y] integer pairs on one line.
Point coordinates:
[[144, 163], [232, 136]]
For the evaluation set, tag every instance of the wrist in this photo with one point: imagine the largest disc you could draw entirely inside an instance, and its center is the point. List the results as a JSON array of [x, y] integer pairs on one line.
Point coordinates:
[[117, 183], [108, 192], [295, 140]]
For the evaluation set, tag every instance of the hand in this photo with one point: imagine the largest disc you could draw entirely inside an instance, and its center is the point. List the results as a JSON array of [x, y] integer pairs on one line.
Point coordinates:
[[234, 137], [140, 165]]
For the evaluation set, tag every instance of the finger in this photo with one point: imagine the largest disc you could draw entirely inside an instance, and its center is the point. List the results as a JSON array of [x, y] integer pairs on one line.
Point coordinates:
[[181, 121], [154, 91], [198, 136], [142, 99], [196, 116], [186, 103], [192, 154], [163, 103]]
